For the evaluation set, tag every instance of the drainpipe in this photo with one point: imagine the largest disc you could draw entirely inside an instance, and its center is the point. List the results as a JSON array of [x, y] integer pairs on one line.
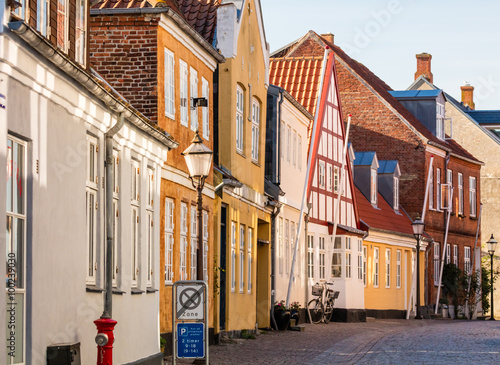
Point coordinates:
[[276, 212], [278, 129], [106, 324]]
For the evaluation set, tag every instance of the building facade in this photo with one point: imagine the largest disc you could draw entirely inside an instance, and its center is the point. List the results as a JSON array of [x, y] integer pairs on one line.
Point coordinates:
[[172, 65], [58, 118]]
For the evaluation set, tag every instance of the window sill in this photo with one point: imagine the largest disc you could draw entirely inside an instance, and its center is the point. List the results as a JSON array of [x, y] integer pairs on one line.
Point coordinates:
[[256, 163], [151, 290], [169, 284], [134, 291], [473, 218], [240, 153], [461, 215], [94, 289], [118, 291]]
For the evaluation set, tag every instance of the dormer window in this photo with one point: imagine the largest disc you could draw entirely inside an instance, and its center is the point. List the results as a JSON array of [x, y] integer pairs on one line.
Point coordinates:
[[440, 121], [395, 193], [373, 186]]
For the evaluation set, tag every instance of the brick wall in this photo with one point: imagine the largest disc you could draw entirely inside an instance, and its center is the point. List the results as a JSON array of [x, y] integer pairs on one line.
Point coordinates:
[[123, 50]]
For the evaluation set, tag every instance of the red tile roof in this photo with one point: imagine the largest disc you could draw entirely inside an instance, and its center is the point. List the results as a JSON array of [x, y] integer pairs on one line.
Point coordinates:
[[382, 217], [201, 15], [300, 76], [313, 46], [122, 4]]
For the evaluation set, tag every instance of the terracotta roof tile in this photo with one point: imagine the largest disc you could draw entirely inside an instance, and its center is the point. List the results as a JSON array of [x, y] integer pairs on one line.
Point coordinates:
[[201, 15], [374, 81], [382, 217], [300, 76], [122, 4]]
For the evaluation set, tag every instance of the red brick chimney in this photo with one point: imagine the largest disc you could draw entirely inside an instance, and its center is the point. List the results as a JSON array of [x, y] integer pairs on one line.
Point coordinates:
[[468, 95], [329, 37], [424, 66]]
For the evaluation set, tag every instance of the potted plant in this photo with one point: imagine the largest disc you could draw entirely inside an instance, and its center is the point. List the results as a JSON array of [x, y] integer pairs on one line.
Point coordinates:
[[451, 286], [281, 315], [295, 311]]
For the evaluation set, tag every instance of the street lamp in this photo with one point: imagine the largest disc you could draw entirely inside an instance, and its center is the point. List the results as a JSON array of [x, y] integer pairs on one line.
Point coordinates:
[[492, 244], [198, 160], [418, 231]]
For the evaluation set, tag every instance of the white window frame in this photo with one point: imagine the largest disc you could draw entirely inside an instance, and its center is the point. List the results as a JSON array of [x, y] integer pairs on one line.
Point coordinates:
[[64, 14], [448, 253], [387, 267], [467, 262], [398, 269], [395, 193], [249, 260], [365, 268], [169, 240], [184, 242], [460, 193], [436, 263], [92, 204], [294, 149], [233, 257], [16, 270], [183, 93], [292, 249], [280, 245], [194, 243], [330, 177], [193, 82], [373, 186], [135, 226], [438, 189], [42, 16], [299, 149], [205, 113], [169, 67], [242, 257], [321, 174], [287, 247], [80, 30], [336, 266], [376, 266], [135, 184], [116, 230], [336, 180], [431, 190], [472, 196], [240, 125], [348, 258], [288, 143], [21, 10], [322, 256], [150, 243], [360, 260], [310, 257], [455, 255], [255, 129]]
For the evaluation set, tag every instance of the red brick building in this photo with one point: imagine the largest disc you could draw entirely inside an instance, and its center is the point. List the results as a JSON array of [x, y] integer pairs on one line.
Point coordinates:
[[381, 123]]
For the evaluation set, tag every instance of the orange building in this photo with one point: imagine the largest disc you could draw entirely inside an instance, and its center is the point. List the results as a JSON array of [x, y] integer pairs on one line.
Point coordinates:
[[158, 60]]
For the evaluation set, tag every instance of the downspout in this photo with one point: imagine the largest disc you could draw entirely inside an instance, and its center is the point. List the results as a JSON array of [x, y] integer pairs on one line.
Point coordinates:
[[278, 129], [108, 302], [276, 212]]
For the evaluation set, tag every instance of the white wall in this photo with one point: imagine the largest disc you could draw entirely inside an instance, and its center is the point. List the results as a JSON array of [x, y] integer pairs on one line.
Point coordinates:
[[54, 115]]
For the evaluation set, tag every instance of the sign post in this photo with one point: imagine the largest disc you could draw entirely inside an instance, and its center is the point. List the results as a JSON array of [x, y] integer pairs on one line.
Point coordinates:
[[190, 320]]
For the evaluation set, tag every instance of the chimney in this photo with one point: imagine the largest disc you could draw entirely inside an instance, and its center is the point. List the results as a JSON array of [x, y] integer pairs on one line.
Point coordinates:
[[328, 37], [468, 95], [424, 66]]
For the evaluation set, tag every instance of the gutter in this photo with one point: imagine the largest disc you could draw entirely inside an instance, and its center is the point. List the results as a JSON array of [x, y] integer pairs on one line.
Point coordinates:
[[179, 20], [449, 151], [60, 60]]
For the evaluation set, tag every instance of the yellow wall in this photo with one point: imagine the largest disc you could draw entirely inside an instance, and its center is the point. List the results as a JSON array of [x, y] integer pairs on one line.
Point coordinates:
[[248, 71], [391, 297]]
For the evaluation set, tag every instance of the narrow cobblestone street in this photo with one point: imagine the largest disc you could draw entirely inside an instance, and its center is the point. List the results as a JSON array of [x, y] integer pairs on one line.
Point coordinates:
[[379, 342]]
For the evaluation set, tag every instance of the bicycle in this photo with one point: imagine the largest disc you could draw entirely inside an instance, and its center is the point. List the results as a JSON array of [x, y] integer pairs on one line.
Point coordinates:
[[318, 310]]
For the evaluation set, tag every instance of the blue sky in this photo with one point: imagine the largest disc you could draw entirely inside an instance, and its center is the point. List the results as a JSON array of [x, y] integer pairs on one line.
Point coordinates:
[[463, 38]]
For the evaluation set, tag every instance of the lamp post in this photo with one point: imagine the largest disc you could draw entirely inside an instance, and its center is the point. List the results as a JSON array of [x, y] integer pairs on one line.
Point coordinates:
[[418, 231], [492, 244], [198, 160]]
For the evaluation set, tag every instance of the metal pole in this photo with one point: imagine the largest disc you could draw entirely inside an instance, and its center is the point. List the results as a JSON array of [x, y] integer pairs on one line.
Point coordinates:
[[199, 250], [492, 312], [445, 243], [418, 316]]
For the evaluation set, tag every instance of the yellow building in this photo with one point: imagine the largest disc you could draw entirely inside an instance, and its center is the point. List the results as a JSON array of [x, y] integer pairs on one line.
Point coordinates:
[[389, 247], [242, 215]]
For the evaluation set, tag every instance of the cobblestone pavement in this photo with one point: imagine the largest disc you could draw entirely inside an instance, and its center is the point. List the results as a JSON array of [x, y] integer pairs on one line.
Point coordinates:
[[379, 342]]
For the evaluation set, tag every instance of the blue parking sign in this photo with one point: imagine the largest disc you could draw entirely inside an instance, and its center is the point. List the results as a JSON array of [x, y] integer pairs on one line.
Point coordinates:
[[191, 340]]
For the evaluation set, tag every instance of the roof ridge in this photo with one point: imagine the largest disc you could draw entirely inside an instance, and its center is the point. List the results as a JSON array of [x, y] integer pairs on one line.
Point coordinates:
[[298, 58]]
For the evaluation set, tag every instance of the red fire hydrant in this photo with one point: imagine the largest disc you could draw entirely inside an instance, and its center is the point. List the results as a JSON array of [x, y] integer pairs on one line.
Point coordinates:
[[104, 340]]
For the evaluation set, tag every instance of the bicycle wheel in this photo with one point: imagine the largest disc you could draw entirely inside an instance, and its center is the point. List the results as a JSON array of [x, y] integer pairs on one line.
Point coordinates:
[[316, 310], [328, 310]]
